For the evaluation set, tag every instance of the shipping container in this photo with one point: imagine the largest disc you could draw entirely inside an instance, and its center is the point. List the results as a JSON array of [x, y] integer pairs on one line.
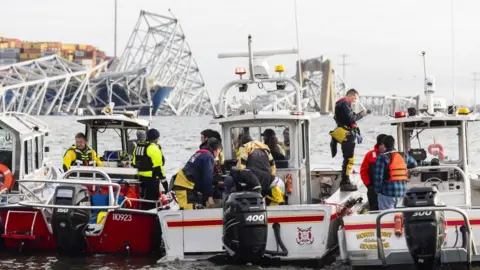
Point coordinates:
[[3, 45], [47, 53], [27, 45], [40, 45], [10, 50], [28, 51], [9, 55], [69, 47], [79, 53], [4, 62]]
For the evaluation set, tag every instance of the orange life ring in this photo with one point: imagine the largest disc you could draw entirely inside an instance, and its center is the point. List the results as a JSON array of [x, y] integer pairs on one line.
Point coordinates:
[[8, 179], [436, 149]]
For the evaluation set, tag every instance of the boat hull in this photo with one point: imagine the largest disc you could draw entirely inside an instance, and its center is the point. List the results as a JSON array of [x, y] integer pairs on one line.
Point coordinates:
[[123, 231]]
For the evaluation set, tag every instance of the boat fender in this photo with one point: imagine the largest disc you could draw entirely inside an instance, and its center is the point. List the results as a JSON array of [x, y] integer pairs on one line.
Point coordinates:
[[8, 179], [464, 232], [278, 239]]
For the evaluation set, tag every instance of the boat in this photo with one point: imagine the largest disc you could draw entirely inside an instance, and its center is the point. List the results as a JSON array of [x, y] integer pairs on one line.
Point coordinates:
[[92, 210], [245, 229], [439, 217], [23, 155]]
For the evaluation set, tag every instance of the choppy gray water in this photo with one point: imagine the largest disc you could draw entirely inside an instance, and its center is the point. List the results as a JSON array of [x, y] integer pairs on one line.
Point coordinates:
[[180, 137]]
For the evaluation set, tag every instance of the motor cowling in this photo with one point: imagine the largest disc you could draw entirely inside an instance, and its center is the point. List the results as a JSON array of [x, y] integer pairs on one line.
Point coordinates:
[[424, 230], [245, 226], [68, 225]]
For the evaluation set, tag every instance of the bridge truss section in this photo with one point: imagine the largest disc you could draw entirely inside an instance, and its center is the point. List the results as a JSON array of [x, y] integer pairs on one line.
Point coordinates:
[[158, 45], [387, 105], [45, 86]]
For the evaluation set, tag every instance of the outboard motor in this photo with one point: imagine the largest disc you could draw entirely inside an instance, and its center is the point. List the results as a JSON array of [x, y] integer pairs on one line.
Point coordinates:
[[245, 226], [69, 225], [424, 230]]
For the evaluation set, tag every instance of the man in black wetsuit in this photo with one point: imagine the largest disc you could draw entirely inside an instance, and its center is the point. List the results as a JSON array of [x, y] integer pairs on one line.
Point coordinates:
[[346, 133]]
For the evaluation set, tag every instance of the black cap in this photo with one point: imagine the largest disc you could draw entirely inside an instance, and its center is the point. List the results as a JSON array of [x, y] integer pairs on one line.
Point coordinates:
[[152, 134], [268, 132]]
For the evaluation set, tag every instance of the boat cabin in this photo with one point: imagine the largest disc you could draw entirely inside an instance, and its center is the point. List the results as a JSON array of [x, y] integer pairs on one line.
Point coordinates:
[[112, 136], [293, 133], [22, 144], [439, 144]]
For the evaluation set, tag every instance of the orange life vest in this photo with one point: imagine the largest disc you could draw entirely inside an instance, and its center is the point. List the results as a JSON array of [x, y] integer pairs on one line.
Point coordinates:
[[397, 168]]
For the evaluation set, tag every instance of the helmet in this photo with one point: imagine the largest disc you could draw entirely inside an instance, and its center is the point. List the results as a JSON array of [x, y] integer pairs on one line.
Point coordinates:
[[277, 181]]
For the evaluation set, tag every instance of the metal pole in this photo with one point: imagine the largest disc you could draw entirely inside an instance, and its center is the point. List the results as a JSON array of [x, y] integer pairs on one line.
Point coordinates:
[[453, 50], [300, 79], [424, 73], [475, 91], [115, 34]]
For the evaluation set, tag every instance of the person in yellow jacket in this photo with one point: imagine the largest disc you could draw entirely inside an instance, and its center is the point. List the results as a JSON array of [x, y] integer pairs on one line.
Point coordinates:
[[256, 156], [80, 154], [147, 158]]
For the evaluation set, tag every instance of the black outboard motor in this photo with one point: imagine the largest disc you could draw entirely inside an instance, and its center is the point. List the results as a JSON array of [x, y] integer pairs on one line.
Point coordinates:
[[424, 230], [69, 225], [245, 226]]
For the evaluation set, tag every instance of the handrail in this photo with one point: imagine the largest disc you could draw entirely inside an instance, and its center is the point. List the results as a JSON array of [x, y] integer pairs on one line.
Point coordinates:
[[470, 239], [29, 118], [45, 205], [466, 179]]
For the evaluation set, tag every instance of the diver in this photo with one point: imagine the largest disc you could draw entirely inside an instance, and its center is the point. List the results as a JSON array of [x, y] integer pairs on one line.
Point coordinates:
[[147, 158], [367, 171], [193, 183], [80, 154], [391, 175], [346, 133]]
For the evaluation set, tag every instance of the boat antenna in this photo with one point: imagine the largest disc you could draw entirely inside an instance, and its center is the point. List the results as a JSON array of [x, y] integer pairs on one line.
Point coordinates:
[[453, 50], [115, 33], [300, 77], [424, 72]]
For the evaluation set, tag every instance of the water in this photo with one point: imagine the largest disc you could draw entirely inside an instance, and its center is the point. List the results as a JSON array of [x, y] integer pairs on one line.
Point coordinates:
[[180, 137]]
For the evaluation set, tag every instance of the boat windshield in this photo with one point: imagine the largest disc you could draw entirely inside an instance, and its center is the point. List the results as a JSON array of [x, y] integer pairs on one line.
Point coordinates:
[[441, 143], [6, 141], [282, 139]]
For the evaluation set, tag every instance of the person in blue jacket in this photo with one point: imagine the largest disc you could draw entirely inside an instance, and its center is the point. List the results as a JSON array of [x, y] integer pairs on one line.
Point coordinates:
[[193, 183]]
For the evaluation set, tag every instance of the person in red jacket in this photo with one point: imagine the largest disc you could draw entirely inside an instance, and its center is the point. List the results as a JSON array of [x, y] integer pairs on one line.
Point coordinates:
[[367, 171]]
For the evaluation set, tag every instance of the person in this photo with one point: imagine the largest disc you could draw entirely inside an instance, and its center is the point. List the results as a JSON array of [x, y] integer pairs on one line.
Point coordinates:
[[367, 171], [131, 144], [239, 181], [195, 180], [286, 142], [391, 175], [245, 180], [80, 154], [270, 139], [346, 133], [147, 158], [256, 156]]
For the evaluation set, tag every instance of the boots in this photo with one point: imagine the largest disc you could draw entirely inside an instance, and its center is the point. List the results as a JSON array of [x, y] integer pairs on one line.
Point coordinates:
[[346, 185]]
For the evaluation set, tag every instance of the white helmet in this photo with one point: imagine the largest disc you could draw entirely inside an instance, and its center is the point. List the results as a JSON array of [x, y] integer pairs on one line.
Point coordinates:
[[279, 183]]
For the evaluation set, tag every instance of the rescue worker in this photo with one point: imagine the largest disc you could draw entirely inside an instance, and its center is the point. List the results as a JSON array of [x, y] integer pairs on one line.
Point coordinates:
[[391, 175], [131, 144], [80, 154], [241, 180], [256, 157], [367, 171], [270, 139], [346, 133], [286, 142], [147, 158], [195, 179]]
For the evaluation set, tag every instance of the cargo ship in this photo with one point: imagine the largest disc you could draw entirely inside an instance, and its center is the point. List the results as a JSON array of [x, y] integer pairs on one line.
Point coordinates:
[[14, 50]]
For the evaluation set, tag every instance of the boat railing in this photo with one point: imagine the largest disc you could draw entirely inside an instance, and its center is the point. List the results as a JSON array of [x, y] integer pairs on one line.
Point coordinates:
[[466, 179], [116, 192], [470, 240], [42, 125]]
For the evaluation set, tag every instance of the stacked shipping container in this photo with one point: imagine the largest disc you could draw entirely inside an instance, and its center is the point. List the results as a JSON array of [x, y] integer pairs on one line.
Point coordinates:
[[14, 50]]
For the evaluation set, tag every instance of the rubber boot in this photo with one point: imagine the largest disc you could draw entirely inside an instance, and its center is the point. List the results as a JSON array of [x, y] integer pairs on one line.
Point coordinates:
[[346, 185]]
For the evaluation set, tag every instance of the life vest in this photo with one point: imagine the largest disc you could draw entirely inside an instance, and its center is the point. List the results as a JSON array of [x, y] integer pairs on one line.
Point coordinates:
[[258, 156], [397, 169], [143, 162], [353, 125], [83, 157], [368, 170]]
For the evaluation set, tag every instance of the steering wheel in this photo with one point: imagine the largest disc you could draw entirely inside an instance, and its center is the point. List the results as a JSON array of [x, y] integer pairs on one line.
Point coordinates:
[[436, 179]]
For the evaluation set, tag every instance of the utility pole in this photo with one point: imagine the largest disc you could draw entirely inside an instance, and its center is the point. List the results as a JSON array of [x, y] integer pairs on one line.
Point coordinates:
[[115, 34], [343, 66]]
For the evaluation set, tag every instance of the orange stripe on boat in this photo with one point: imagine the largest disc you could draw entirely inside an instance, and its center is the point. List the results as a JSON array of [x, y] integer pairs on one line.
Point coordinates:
[[219, 222]]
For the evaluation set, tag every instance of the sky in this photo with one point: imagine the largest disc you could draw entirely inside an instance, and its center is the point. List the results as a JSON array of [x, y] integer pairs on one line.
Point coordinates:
[[382, 38]]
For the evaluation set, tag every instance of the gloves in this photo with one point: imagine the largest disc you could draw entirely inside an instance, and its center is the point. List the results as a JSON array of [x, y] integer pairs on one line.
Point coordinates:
[[363, 113], [359, 138]]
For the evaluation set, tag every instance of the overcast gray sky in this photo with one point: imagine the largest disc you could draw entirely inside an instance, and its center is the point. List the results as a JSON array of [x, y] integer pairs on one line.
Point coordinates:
[[383, 38]]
